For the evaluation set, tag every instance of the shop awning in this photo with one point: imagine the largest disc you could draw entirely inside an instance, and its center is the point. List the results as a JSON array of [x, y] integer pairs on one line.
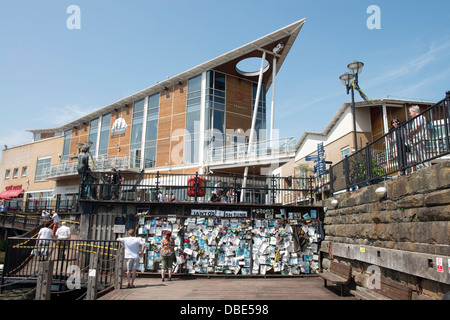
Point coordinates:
[[10, 193]]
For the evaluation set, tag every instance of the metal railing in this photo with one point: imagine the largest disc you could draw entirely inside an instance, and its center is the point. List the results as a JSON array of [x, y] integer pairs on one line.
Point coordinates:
[[99, 164], [33, 205], [412, 146], [71, 261], [27, 221], [200, 188], [263, 150]]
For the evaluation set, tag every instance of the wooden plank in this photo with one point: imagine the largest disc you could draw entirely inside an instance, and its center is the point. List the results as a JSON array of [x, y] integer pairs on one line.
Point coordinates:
[[389, 290], [341, 270], [333, 278], [393, 290], [367, 294]]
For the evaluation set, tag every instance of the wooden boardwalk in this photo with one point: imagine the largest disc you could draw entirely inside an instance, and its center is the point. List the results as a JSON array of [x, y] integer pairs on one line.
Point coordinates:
[[216, 288]]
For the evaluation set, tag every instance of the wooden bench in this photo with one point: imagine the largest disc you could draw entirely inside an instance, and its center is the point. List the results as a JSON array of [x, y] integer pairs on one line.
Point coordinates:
[[388, 290], [340, 274]]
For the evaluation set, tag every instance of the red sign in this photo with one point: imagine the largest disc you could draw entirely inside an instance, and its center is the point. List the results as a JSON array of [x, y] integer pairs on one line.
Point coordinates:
[[8, 188]]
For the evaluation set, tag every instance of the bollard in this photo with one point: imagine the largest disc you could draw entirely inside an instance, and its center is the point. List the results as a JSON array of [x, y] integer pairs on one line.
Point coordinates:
[[119, 269], [91, 293], [44, 281]]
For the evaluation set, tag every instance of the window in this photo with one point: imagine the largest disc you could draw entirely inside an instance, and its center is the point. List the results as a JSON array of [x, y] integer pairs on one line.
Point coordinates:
[[151, 133], [345, 152], [46, 200], [93, 131], [7, 173], [15, 172], [42, 164], [33, 200], [66, 146], [104, 135], [215, 109], [24, 171], [136, 133], [192, 120]]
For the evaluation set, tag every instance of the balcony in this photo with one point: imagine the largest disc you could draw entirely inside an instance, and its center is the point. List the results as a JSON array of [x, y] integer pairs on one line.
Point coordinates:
[[260, 153], [68, 169]]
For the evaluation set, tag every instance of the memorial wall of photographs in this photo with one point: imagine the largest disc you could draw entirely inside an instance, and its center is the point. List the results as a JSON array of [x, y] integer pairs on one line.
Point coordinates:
[[232, 244]]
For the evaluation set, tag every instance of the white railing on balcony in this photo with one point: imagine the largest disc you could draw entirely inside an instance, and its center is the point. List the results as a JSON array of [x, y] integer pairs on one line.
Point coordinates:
[[267, 150], [67, 168]]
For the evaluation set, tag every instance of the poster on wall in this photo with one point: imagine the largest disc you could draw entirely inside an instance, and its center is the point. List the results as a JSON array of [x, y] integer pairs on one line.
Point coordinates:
[[224, 242]]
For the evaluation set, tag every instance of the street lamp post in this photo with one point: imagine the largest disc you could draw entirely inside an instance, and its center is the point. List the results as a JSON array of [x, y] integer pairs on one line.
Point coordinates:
[[355, 68]]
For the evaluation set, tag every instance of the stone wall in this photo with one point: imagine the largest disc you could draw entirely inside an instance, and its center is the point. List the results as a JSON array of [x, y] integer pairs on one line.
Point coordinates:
[[403, 233]]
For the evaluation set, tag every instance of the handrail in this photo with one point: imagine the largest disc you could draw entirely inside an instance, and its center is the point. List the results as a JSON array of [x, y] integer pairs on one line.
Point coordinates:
[[398, 151], [240, 151], [99, 163]]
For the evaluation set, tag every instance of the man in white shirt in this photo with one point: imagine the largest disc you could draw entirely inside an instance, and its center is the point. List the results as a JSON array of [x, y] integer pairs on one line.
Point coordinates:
[[63, 233], [132, 253], [43, 241]]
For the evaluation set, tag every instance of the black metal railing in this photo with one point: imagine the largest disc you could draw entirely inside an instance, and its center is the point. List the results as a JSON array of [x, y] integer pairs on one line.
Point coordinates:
[[412, 146], [71, 261], [200, 188], [28, 221], [32, 205]]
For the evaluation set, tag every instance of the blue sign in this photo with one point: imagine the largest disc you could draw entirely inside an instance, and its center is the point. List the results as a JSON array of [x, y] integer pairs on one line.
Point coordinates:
[[312, 158]]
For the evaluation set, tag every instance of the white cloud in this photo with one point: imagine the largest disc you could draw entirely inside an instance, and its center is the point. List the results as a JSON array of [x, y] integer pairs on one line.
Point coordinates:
[[414, 64], [65, 114]]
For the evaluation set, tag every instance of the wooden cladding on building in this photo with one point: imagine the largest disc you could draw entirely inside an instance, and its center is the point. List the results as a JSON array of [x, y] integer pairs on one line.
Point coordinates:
[[172, 121]]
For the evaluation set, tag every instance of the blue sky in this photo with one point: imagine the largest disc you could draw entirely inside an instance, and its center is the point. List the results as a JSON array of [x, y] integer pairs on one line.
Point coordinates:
[[50, 75]]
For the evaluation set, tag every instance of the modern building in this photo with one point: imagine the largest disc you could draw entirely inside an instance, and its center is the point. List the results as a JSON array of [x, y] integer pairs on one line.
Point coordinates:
[[212, 117]]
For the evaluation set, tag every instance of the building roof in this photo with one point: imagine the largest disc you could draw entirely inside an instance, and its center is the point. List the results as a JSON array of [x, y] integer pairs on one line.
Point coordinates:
[[225, 63], [358, 104]]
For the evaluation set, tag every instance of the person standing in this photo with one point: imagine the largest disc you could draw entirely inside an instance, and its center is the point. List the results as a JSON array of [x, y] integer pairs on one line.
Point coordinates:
[[43, 241], [167, 253], [418, 135], [2, 210], [55, 218], [63, 233], [399, 145], [114, 180], [132, 253], [217, 192]]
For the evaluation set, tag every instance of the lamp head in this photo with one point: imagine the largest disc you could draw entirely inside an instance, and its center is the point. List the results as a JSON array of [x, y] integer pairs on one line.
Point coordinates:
[[346, 78], [355, 67]]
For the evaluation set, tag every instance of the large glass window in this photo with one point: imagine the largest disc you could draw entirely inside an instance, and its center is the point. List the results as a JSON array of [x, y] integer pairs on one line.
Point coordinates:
[[193, 120], [215, 109], [151, 132], [41, 164], [93, 131], [136, 133], [66, 147], [104, 135]]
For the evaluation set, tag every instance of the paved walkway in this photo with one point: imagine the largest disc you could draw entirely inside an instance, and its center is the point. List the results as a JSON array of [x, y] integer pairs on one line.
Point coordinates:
[[216, 288]]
